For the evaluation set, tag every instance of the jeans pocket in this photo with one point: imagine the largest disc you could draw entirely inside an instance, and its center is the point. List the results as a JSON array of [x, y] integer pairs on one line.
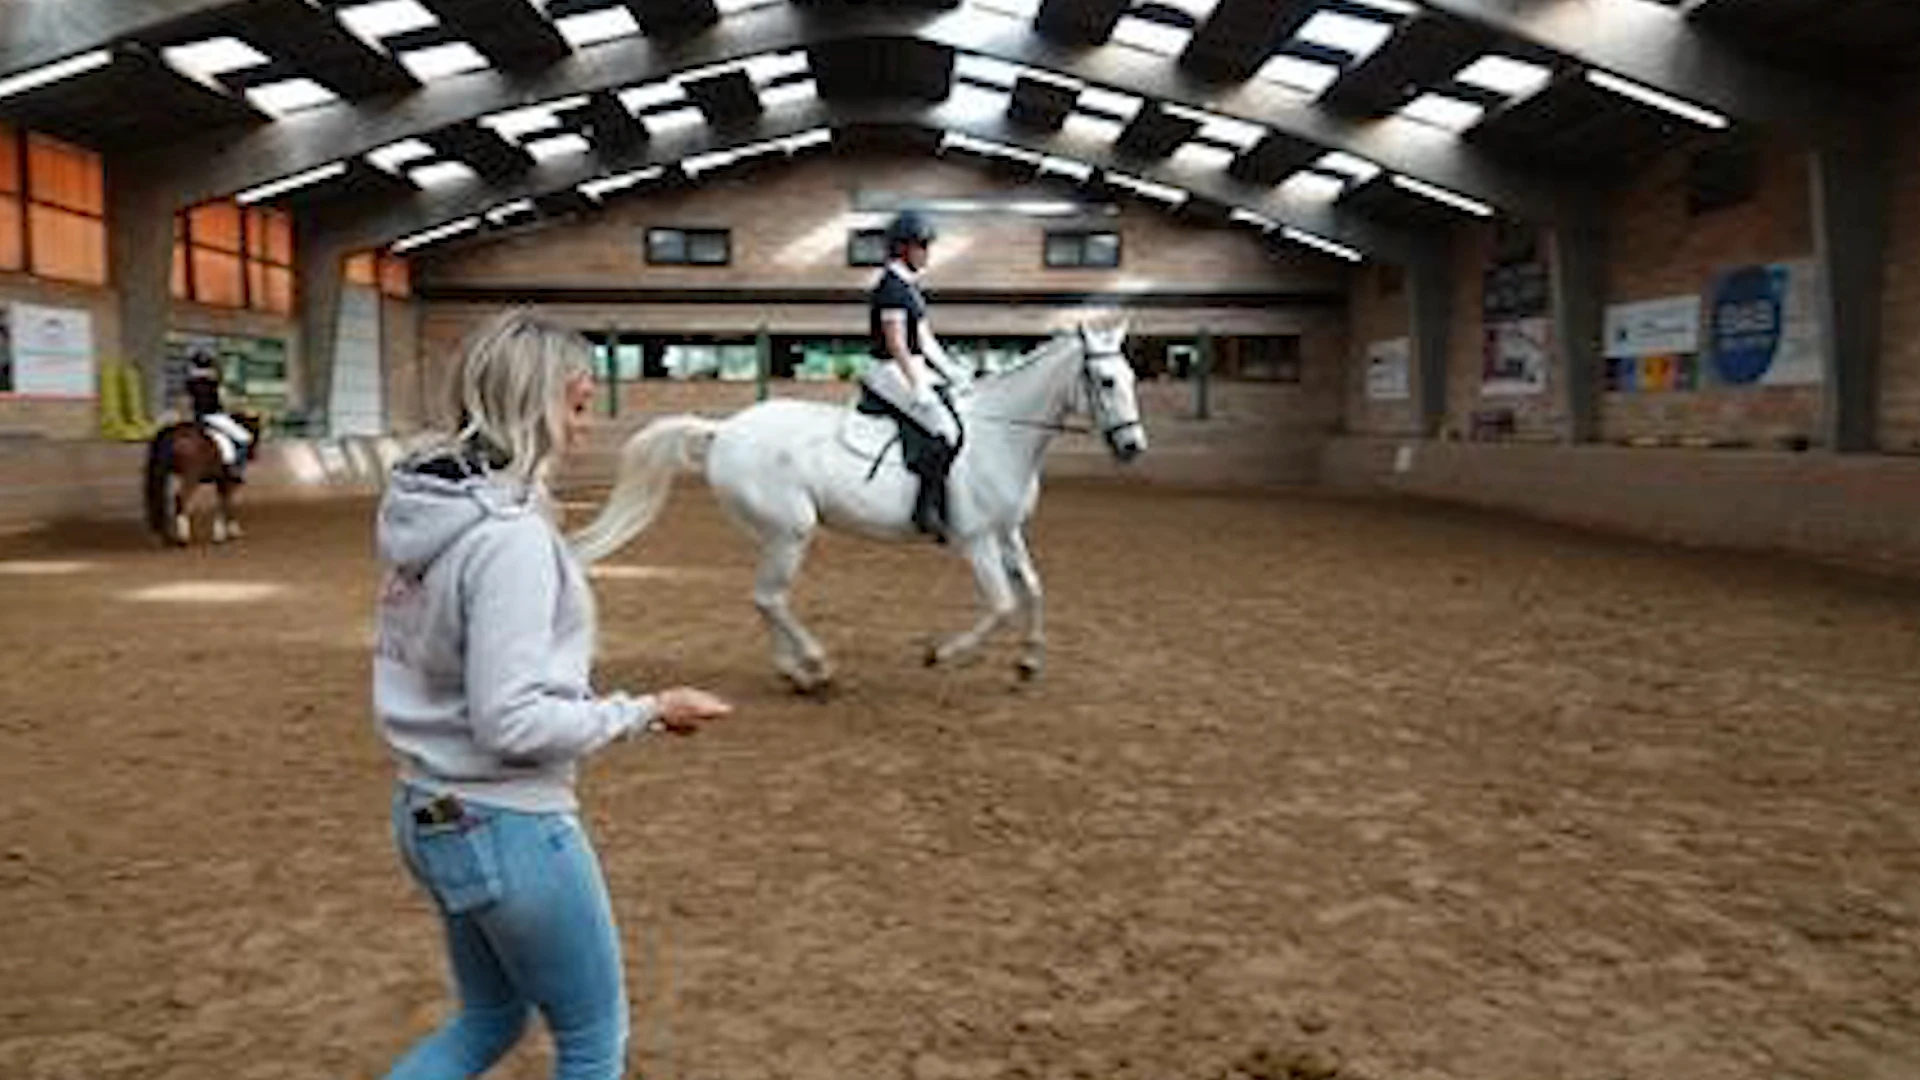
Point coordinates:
[[459, 864]]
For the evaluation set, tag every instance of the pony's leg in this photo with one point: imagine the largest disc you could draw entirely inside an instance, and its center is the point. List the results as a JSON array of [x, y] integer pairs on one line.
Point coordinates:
[[226, 512], [220, 525], [796, 653], [1026, 580], [182, 520], [990, 576]]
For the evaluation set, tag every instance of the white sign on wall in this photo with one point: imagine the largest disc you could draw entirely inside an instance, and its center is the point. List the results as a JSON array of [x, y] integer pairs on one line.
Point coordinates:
[[1388, 376], [52, 351], [1515, 356], [1669, 326]]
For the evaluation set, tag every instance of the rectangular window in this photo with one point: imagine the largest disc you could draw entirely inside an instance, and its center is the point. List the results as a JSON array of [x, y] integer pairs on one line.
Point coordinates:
[[396, 277], [360, 269], [1096, 250], [13, 251], [689, 247], [66, 211], [226, 255], [867, 247]]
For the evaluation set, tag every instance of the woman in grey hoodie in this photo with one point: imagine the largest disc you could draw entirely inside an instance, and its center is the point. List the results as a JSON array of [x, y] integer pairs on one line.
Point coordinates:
[[481, 688]]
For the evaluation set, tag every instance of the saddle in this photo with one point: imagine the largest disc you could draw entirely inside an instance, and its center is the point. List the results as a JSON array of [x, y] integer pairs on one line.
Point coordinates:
[[877, 432]]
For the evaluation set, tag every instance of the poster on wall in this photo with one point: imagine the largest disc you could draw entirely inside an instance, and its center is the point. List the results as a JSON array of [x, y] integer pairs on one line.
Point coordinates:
[[253, 370], [1653, 346], [1764, 326], [1388, 378], [52, 351], [1514, 357]]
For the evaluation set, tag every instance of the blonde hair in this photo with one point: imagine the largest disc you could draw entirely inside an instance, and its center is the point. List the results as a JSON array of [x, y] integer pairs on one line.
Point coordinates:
[[508, 389]]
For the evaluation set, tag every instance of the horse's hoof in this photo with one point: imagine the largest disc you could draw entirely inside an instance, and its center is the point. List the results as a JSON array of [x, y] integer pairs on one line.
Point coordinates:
[[1030, 670], [932, 656]]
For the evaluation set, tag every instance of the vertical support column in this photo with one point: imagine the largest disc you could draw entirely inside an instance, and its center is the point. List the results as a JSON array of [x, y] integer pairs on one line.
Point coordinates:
[[1852, 193], [763, 363], [613, 371], [1203, 376], [1579, 274], [140, 265], [1430, 299], [321, 275]]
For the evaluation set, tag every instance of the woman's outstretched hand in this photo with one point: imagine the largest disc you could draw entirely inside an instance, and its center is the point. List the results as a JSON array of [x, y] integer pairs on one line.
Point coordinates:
[[683, 709]]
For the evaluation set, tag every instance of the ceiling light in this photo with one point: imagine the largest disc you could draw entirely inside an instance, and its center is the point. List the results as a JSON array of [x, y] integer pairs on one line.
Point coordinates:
[[1310, 186], [1023, 9], [442, 172], [985, 69], [814, 137], [1238, 133], [213, 57], [1249, 217], [1658, 99], [1310, 77], [1202, 156], [793, 93], [289, 95], [1505, 75], [968, 100], [1053, 78], [1443, 112], [1301, 236], [606, 185], [769, 67], [1350, 34], [291, 183], [730, 7], [514, 123], [1150, 36], [506, 210], [594, 27], [1091, 128], [1442, 195], [637, 98], [385, 19], [395, 154], [1109, 101], [1164, 192], [554, 146], [54, 72], [439, 61], [438, 232], [1357, 169], [665, 123], [1402, 8], [1079, 170]]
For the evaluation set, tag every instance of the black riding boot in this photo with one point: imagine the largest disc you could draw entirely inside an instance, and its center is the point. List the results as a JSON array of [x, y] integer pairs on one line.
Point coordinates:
[[930, 503]]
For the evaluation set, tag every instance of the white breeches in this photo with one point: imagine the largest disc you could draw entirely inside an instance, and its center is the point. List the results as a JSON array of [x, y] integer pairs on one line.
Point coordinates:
[[227, 434], [886, 380]]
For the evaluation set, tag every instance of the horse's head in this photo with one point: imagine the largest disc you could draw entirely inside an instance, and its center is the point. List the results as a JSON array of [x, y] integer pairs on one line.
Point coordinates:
[[1106, 390]]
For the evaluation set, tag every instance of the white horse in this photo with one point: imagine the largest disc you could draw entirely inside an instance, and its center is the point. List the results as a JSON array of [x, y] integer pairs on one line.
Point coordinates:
[[781, 468]]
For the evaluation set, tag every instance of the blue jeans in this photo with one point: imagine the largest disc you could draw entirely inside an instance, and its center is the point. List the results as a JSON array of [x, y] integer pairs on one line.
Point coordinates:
[[528, 925]]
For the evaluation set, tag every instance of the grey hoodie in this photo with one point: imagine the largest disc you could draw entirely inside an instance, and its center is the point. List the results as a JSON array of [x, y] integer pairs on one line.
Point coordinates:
[[486, 631]]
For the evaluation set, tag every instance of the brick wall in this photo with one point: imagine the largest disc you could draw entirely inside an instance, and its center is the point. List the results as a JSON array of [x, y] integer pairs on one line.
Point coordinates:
[[1862, 509], [1900, 326], [1658, 249], [1378, 305], [789, 229]]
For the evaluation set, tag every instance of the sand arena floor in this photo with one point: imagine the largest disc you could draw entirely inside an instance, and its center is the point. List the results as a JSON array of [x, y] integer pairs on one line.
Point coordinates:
[[1311, 784]]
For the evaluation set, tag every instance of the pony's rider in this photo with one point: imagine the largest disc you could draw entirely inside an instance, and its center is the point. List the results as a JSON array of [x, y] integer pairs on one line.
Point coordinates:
[[913, 377], [203, 391]]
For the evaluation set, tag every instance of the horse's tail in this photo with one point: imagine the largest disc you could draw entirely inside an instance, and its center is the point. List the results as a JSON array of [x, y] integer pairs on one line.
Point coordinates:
[[643, 479], [159, 465]]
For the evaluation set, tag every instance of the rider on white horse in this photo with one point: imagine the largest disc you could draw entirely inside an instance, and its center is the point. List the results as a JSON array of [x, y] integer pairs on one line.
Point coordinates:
[[228, 434], [912, 382]]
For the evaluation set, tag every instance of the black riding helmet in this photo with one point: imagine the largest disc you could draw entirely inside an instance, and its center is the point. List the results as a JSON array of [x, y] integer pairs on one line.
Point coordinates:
[[910, 227]]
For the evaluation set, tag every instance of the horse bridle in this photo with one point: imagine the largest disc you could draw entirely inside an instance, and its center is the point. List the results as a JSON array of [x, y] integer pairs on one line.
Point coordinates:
[[1087, 360]]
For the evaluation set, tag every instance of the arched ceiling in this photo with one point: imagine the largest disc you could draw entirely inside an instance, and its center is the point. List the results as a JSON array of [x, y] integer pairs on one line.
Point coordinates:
[[1361, 122]]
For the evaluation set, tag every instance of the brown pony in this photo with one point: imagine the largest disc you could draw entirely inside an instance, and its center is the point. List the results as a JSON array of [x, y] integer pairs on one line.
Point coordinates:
[[180, 459]]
